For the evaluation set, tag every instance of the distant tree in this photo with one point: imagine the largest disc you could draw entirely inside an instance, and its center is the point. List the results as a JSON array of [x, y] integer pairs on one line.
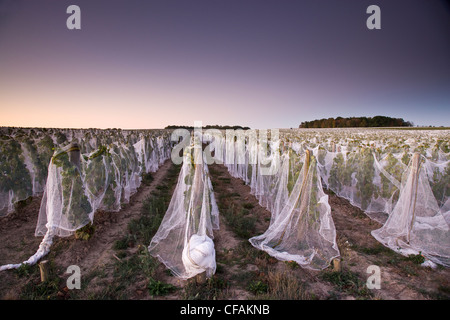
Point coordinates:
[[339, 122]]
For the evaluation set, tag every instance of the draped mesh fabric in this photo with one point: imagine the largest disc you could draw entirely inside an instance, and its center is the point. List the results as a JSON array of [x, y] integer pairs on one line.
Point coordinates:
[[86, 170], [184, 240], [372, 168]]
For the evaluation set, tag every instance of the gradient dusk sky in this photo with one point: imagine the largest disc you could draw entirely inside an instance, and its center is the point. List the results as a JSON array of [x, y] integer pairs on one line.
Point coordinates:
[[258, 63]]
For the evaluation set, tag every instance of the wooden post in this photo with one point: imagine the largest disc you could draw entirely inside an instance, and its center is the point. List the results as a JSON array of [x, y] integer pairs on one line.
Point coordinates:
[[302, 197], [414, 176], [336, 265], [74, 154], [201, 278], [43, 267]]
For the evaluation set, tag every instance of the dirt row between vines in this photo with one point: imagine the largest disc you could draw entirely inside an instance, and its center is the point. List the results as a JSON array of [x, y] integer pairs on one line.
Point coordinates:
[[243, 272]]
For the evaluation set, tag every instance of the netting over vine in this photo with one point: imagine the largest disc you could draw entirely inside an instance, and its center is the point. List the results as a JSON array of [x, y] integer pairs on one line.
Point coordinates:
[[80, 171], [367, 167], [416, 224], [184, 240], [303, 230], [88, 170]]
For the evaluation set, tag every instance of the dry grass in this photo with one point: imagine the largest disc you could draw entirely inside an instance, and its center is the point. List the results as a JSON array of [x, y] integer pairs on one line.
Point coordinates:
[[284, 286]]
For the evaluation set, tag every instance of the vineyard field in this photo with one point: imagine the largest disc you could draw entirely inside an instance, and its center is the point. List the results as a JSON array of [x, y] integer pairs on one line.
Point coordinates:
[[300, 214]]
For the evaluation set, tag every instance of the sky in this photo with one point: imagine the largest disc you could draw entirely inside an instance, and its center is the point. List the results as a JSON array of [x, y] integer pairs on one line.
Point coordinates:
[[138, 64]]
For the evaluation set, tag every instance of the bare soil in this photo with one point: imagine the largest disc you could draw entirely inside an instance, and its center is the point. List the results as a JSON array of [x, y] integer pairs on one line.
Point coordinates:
[[243, 272]]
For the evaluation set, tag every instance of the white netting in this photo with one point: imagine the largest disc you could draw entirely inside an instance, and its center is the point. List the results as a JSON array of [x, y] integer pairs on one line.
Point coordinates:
[[89, 170], [365, 166], [65, 206], [183, 241], [416, 224], [301, 228], [303, 231]]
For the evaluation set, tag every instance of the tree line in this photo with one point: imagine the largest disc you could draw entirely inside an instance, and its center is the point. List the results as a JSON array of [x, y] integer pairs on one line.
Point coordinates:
[[340, 122]]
